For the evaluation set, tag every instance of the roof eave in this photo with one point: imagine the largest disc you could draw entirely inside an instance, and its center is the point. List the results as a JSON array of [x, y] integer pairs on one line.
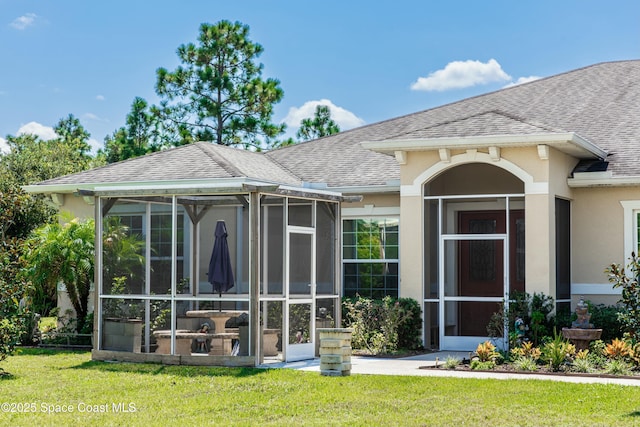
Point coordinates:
[[186, 187], [146, 187], [601, 179], [391, 187], [567, 142]]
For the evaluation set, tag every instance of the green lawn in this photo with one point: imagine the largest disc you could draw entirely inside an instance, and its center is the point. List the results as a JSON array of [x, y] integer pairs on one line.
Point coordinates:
[[48, 383]]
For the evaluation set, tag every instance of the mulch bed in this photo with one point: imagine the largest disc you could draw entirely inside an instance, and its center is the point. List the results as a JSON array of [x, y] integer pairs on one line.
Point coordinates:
[[507, 368]]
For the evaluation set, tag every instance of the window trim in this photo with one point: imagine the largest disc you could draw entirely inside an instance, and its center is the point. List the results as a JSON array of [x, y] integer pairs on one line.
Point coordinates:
[[630, 227]]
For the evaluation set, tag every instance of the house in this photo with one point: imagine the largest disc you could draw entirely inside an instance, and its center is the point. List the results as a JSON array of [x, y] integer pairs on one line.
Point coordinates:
[[534, 187]]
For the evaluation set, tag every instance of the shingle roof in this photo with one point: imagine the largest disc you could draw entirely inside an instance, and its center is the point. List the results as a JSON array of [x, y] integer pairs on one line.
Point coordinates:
[[488, 123], [601, 103], [201, 160]]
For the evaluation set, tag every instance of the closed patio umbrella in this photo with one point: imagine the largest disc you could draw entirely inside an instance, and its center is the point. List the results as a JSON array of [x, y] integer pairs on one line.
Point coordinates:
[[220, 272]]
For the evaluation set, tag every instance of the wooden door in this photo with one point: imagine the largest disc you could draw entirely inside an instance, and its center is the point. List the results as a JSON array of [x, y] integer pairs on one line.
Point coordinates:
[[481, 265]]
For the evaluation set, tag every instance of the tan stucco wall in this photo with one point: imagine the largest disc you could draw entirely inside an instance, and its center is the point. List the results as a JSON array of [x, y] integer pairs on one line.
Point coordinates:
[[595, 299], [560, 167], [411, 253], [78, 206], [597, 231], [539, 252]]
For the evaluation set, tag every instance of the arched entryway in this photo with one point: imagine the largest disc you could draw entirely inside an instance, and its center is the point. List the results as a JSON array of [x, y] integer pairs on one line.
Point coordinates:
[[474, 227]]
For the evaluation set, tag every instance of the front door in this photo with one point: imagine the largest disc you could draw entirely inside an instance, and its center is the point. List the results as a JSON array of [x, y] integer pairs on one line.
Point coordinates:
[[482, 262]]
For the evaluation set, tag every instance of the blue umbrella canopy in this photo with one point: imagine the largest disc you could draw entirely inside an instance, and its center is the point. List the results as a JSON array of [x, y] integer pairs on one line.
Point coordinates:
[[220, 272]]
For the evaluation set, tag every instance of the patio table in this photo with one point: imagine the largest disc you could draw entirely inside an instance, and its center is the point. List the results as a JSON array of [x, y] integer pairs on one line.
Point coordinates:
[[219, 318]]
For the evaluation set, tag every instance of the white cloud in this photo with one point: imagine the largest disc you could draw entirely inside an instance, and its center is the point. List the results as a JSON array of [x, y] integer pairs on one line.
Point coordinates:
[[462, 74], [522, 80], [100, 97], [344, 118], [34, 128], [24, 21], [45, 133], [4, 146], [95, 145]]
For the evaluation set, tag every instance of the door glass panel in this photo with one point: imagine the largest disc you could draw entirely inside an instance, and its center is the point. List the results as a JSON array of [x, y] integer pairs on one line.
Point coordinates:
[[300, 259], [481, 260], [481, 222]]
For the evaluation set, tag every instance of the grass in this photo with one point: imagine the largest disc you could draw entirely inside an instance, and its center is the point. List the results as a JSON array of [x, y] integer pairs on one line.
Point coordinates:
[[179, 395]]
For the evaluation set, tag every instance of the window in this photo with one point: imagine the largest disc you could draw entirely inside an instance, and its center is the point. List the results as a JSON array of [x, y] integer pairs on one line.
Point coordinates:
[[161, 251], [160, 240], [370, 257]]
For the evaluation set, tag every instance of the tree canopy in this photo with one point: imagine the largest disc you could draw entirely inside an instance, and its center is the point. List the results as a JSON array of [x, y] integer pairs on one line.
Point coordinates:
[[140, 136], [218, 92], [320, 125], [32, 160]]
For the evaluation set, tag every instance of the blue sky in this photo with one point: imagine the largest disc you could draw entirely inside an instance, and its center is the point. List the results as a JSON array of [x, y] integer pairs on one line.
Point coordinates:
[[369, 61]]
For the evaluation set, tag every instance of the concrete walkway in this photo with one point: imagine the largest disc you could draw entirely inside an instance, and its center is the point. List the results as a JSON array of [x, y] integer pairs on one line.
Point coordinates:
[[412, 366]]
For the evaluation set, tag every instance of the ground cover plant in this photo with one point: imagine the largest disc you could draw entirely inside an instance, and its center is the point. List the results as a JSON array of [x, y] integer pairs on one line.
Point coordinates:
[[617, 358], [152, 394]]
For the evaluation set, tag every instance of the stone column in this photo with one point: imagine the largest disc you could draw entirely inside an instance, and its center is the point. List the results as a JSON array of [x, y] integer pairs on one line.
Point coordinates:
[[335, 351]]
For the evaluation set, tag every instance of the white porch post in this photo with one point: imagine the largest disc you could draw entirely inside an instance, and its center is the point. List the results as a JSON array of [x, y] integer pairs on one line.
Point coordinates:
[[254, 277]]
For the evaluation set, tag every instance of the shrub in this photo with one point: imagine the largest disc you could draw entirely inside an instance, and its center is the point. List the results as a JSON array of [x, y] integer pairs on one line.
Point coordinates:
[[410, 330], [557, 352], [542, 322], [376, 323], [628, 281], [535, 310], [606, 317], [16, 312], [13, 317], [526, 350], [486, 352], [618, 349], [597, 353]]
